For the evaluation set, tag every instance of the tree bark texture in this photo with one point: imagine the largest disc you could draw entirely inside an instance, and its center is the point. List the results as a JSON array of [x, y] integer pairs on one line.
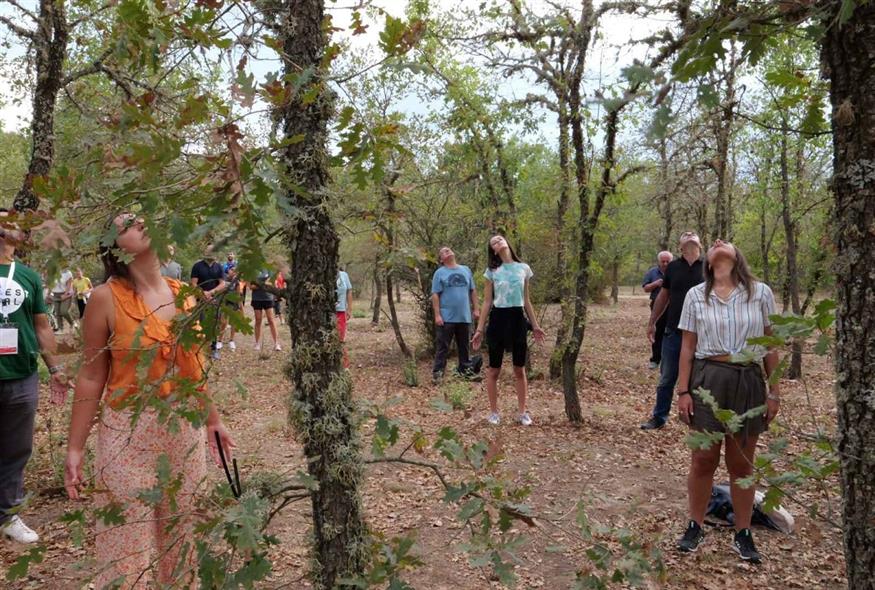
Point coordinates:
[[321, 406], [378, 292], [561, 255], [393, 317], [794, 371], [50, 49], [848, 53], [665, 199], [723, 124]]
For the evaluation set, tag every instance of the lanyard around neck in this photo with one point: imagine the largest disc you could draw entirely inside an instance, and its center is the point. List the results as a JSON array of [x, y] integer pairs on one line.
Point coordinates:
[[9, 279]]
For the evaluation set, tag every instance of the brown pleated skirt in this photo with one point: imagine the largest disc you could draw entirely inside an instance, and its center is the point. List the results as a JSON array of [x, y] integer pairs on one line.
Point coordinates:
[[734, 387]]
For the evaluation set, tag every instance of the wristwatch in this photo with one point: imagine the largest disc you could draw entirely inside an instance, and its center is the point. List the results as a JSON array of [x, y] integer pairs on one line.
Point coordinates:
[[56, 369]]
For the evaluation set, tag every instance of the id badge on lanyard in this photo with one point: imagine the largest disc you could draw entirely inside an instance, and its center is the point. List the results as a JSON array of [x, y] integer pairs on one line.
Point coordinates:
[[8, 330]]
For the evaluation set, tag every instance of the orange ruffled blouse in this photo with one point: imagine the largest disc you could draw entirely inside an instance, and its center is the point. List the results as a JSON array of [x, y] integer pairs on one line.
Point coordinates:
[[138, 331]]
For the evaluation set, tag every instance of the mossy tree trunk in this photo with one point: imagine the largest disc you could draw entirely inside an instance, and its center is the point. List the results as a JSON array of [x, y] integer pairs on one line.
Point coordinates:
[[321, 407], [847, 55], [49, 42]]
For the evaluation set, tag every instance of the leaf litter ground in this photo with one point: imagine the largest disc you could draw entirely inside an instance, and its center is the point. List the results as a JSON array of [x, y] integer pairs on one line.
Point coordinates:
[[627, 477]]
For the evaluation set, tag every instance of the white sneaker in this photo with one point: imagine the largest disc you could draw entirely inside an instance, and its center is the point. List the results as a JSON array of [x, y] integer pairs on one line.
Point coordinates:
[[16, 530], [525, 419], [219, 345], [232, 345], [278, 347], [257, 346], [494, 418]]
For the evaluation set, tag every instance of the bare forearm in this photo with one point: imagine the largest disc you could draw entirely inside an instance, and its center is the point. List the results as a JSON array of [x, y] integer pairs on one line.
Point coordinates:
[[484, 313], [659, 306], [47, 344], [530, 313], [474, 303], [685, 370], [86, 401], [771, 362]]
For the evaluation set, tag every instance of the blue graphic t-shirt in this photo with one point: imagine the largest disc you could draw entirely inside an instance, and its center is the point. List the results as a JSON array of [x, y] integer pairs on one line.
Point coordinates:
[[509, 283], [343, 285], [453, 287]]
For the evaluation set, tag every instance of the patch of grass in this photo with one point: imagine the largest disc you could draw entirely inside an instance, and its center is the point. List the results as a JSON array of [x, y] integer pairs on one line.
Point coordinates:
[[411, 376], [458, 394], [359, 314]]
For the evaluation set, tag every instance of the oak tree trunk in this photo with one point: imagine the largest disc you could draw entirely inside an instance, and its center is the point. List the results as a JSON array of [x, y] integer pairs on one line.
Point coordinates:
[[561, 259], [847, 55], [378, 293], [321, 406], [794, 371], [393, 317], [50, 49]]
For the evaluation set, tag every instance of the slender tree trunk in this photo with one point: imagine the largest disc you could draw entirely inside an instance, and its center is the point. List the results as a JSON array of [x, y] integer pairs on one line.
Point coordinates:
[[794, 371], [50, 49], [847, 55], [321, 407], [723, 135], [378, 292], [615, 280], [561, 259], [665, 201], [764, 246], [393, 317]]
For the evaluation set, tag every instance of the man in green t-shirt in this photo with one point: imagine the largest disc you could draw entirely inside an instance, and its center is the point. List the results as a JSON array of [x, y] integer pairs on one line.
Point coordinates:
[[25, 333]]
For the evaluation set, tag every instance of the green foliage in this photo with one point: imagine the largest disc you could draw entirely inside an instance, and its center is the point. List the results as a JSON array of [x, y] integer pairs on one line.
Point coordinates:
[[390, 559], [411, 374], [458, 393], [18, 570]]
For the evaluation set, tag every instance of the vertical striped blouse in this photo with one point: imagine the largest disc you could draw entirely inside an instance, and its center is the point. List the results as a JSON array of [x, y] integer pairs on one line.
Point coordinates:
[[723, 327]]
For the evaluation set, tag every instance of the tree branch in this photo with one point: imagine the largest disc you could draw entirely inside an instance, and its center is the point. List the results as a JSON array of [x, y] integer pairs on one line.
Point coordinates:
[[20, 31]]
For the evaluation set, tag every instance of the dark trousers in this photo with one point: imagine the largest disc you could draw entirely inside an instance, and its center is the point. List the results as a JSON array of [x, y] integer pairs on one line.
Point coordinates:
[[668, 374], [656, 347], [444, 335], [81, 304], [18, 403]]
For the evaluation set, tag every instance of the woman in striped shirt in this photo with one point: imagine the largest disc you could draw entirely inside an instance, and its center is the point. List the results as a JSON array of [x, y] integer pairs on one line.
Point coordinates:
[[718, 318]]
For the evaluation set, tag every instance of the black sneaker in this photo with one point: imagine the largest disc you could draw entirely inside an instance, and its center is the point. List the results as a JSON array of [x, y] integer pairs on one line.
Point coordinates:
[[437, 377], [652, 424], [692, 538], [745, 548]]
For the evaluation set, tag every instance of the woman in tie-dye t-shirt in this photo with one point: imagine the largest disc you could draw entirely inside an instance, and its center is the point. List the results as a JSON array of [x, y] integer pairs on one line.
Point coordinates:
[[506, 303]]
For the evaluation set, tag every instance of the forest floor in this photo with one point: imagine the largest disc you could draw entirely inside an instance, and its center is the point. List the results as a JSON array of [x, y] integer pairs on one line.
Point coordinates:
[[627, 477]]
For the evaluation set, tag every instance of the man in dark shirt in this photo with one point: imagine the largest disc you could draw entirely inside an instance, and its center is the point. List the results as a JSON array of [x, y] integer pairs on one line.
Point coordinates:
[[681, 275], [209, 275], [652, 284]]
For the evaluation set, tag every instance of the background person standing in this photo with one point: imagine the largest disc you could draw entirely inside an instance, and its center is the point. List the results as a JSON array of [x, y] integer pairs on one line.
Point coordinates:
[[681, 275], [652, 284], [453, 297], [83, 287], [171, 269], [62, 299], [343, 308], [25, 335], [209, 275]]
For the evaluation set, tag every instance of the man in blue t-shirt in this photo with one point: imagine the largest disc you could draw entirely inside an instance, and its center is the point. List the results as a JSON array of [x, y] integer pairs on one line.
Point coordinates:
[[454, 300]]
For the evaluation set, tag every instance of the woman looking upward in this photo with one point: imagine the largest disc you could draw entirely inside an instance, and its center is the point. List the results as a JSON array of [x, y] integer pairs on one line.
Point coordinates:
[[506, 303], [133, 370], [718, 318]]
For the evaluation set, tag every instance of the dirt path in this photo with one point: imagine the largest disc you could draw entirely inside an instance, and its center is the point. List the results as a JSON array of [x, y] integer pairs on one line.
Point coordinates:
[[626, 476]]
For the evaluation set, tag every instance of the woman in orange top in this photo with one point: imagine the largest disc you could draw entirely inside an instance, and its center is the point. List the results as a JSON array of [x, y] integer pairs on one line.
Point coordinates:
[[128, 329]]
